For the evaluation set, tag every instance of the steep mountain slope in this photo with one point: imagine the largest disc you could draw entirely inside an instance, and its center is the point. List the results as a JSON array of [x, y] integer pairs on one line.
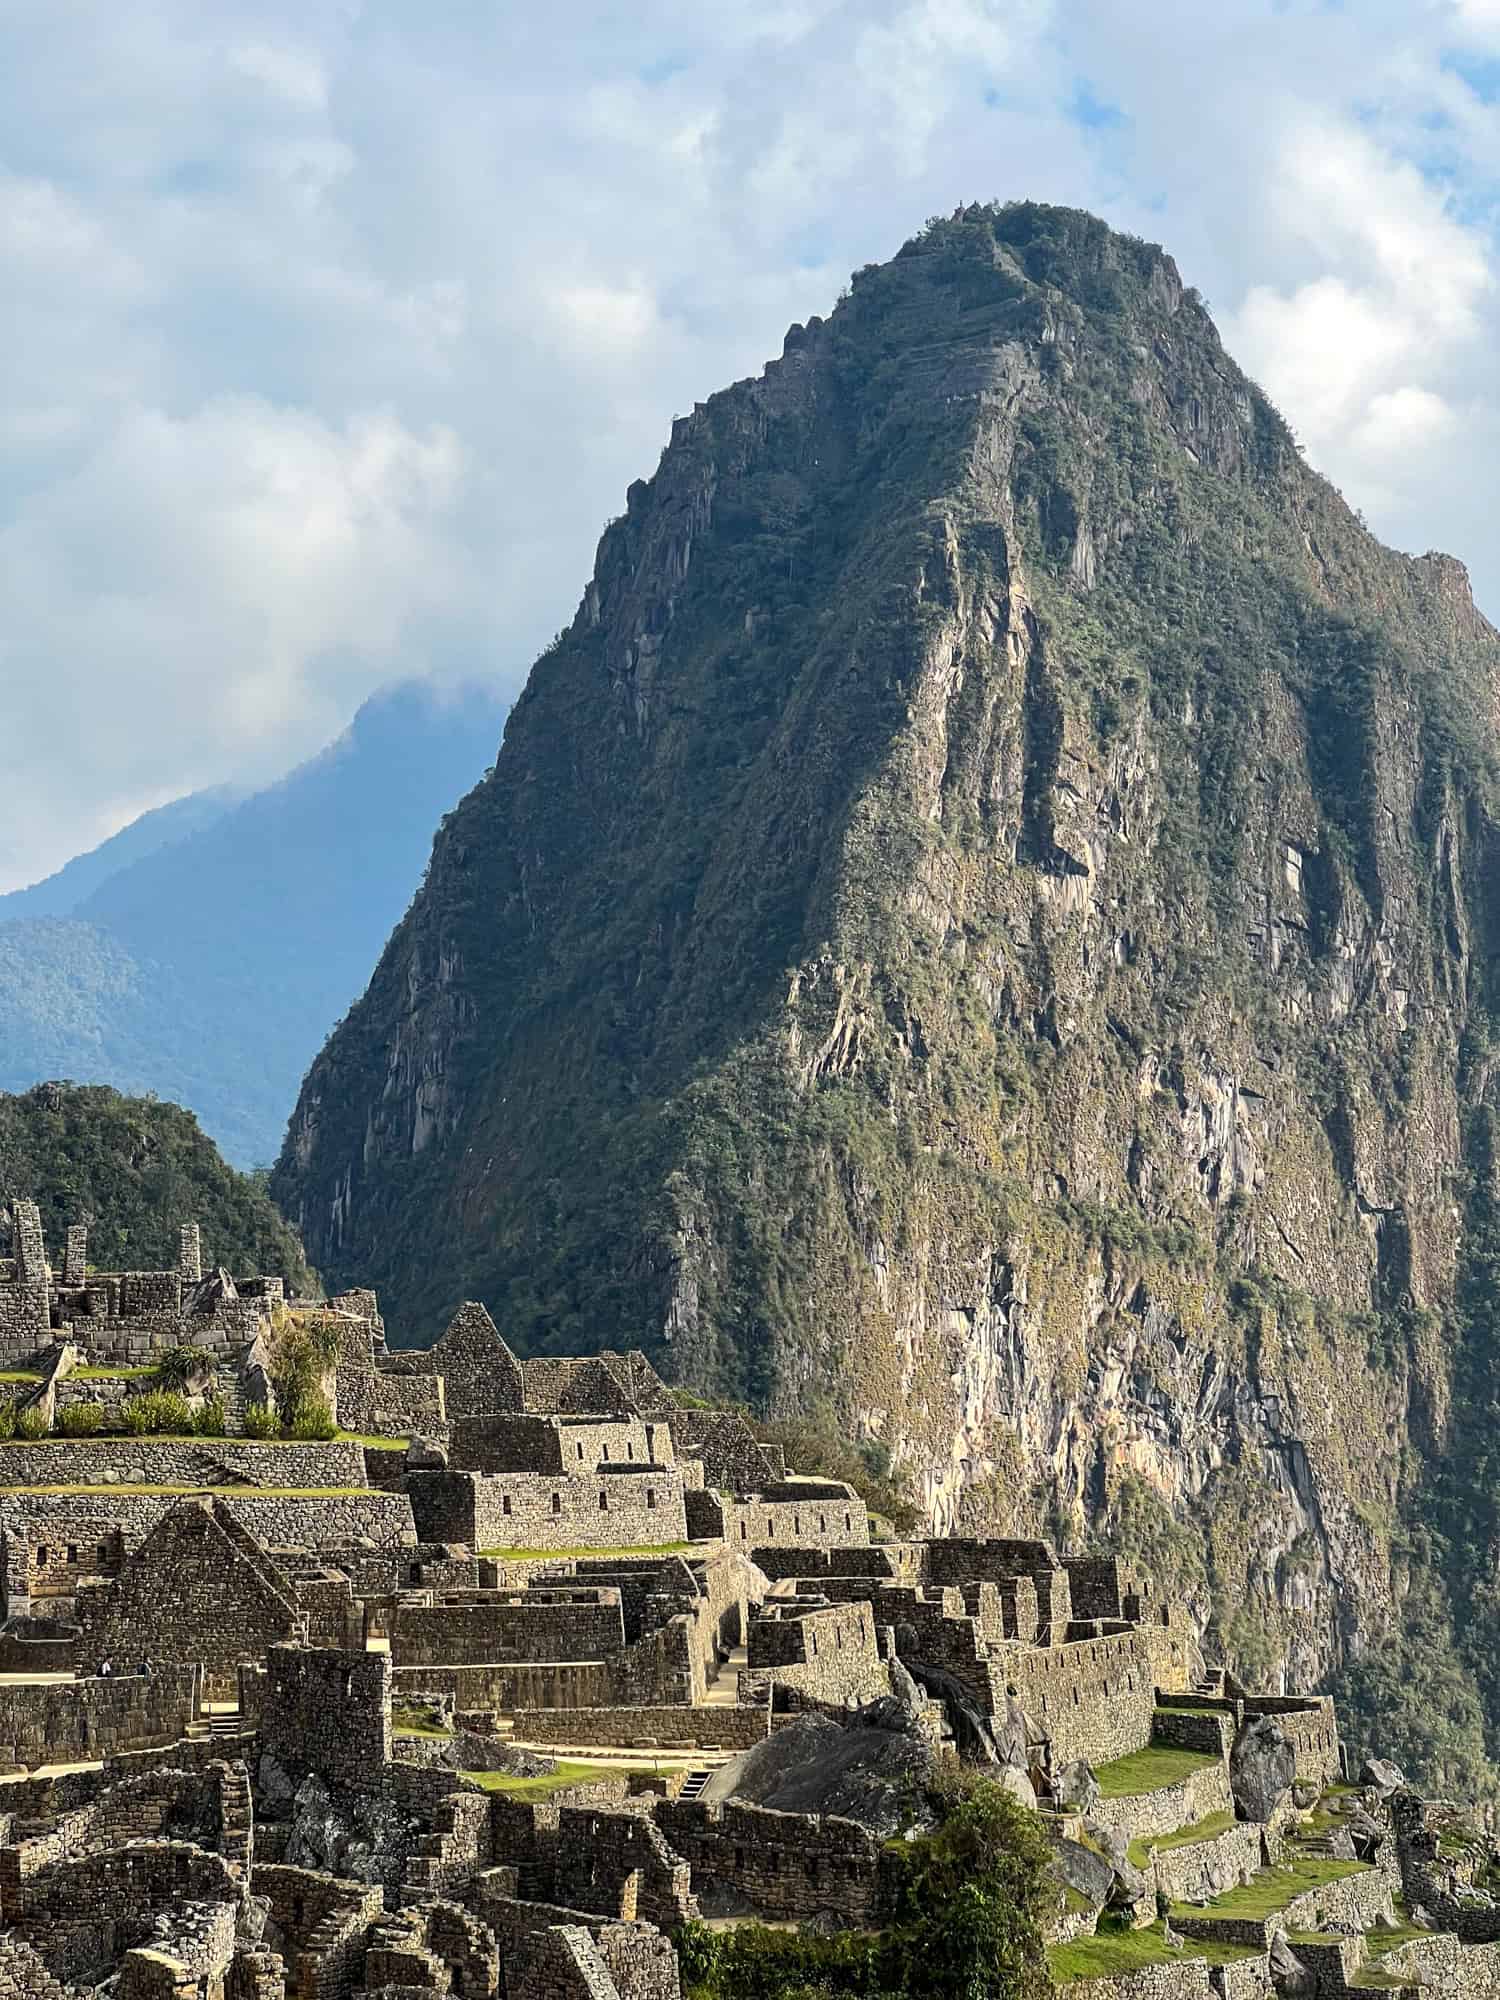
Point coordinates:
[[984, 922], [205, 952], [58, 895], [134, 1169]]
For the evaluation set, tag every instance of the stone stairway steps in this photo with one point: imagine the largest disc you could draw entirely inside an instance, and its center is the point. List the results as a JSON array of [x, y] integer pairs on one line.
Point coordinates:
[[694, 1786]]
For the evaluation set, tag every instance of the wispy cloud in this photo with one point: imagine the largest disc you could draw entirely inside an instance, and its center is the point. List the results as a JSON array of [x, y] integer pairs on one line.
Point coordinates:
[[335, 331]]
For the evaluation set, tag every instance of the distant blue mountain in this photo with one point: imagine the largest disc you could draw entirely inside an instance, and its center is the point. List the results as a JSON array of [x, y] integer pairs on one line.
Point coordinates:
[[60, 894], [205, 952]]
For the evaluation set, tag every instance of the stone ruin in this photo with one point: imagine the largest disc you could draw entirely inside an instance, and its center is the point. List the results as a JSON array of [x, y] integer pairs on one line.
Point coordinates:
[[529, 1664]]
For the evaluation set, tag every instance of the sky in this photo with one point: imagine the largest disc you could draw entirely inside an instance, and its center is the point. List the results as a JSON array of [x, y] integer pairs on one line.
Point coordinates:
[[335, 331]]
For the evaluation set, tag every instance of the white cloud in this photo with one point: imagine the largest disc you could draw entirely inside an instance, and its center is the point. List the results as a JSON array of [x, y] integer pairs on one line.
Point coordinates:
[[289, 72], [335, 330]]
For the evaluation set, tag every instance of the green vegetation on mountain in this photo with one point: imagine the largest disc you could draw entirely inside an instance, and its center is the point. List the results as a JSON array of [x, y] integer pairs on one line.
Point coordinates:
[[985, 920], [134, 1170]]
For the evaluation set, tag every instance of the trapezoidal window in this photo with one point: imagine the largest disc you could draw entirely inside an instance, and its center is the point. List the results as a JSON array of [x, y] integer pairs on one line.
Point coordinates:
[[603, 1503], [504, 1503], [650, 1496], [557, 1503]]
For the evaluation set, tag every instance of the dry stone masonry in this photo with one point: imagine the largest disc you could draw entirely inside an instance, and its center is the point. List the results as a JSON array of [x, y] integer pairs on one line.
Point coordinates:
[[253, 1684]]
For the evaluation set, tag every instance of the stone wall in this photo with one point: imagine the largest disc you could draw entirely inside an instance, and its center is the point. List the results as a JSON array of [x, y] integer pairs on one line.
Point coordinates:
[[732, 1460], [1094, 1699], [1186, 1979], [817, 1516], [1205, 1868], [618, 1864], [169, 1462], [30, 1522], [957, 1559], [646, 1728], [479, 1371], [608, 1509], [327, 1711], [195, 1591], [1193, 1798], [1310, 1726], [23, 1975], [829, 1654], [87, 1910], [79, 1721], [532, 1625], [783, 1865]]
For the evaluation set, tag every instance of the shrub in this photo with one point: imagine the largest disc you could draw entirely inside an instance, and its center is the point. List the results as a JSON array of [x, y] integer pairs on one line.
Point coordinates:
[[159, 1413], [310, 1419], [31, 1423], [210, 1419], [261, 1421], [8, 1418], [81, 1420], [177, 1367]]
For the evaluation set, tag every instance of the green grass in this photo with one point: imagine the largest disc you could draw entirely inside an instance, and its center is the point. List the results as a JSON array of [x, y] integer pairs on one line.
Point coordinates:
[[535, 1555], [555, 1780], [1113, 1952], [1149, 1770], [107, 1374], [1186, 1836], [1378, 1942], [1273, 1888], [415, 1729], [19, 1375], [371, 1442]]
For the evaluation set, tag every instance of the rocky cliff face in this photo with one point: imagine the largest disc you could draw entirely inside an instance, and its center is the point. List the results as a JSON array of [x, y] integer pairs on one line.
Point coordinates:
[[984, 923]]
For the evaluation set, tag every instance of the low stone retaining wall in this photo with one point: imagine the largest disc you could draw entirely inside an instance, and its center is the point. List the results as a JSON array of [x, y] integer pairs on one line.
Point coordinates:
[[1194, 1797], [1199, 1872], [1190, 1729], [703, 1728], [1353, 1902], [80, 1721], [289, 1520], [128, 1461], [1181, 1980]]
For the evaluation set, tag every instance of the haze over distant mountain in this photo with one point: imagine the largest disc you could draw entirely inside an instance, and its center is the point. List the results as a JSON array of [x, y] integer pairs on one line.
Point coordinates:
[[204, 953], [988, 919]]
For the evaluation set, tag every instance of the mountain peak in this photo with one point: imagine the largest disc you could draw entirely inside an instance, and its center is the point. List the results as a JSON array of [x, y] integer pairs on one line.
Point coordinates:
[[974, 926]]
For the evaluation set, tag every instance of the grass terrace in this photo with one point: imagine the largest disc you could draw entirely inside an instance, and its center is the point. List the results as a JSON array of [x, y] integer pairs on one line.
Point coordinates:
[[1195, 1835], [1268, 1894], [556, 1780], [1112, 1952], [1150, 1770]]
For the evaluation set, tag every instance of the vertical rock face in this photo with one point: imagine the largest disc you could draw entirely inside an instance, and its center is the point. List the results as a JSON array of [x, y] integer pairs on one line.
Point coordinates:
[[984, 923]]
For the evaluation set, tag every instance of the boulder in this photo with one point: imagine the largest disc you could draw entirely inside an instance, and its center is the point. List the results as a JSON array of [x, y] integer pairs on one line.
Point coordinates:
[[1262, 1766], [1086, 1873], [425, 1455], [1341, 1845], [1020, 1787], [1075, 1788], [1130, 1887], [1385, 1777], [1289, 1975]]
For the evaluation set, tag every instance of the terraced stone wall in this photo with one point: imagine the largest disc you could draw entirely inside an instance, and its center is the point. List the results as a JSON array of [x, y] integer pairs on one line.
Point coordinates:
[[582, 1625], [173, 1462]]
